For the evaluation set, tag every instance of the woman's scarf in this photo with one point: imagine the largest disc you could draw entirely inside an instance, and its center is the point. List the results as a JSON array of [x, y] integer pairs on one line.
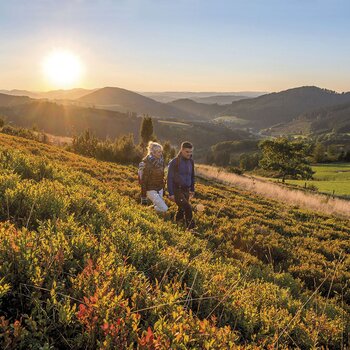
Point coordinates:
[[156, 162]]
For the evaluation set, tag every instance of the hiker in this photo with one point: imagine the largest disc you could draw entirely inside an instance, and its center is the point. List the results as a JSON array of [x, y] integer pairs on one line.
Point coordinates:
[[181, 183], [151, 177]]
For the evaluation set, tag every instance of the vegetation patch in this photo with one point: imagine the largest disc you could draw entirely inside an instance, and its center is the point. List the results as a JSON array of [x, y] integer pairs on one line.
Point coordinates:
[[83, 266]]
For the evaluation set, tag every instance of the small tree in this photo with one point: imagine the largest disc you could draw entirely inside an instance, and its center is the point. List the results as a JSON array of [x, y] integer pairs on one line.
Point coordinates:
[[249, 161], [332, 153], [126, 151], [146, 132], [168, 151], [286, 157], [319, 153], [2, 122], [347, 156], [85, 144]]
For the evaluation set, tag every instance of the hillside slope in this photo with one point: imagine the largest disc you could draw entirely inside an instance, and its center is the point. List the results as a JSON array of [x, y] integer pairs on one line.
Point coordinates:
[[281, 107], [53, 94], [124, 100], [84, 266], [69, 120], [329, 119], [9, 100], [203, 110]]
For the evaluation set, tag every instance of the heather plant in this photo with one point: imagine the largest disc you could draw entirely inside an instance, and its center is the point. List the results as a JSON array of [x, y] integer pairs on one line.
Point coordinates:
[[83, 266]]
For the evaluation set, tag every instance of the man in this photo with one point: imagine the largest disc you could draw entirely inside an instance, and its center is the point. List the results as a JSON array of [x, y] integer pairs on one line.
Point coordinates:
[[181, 183]]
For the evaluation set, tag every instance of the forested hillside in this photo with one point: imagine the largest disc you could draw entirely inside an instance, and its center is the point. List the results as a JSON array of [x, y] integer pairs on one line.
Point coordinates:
[[284, 106], [70, 120], [84, 266]]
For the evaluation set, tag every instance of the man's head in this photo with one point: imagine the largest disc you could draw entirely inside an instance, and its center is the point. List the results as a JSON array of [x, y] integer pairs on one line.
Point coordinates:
[[186, 150]]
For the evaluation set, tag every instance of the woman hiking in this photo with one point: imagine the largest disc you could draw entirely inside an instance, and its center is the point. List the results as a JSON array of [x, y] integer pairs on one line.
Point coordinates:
[[152, 182]]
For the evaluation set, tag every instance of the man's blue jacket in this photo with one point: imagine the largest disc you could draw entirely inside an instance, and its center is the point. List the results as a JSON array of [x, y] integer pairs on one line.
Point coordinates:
[[185, 176]]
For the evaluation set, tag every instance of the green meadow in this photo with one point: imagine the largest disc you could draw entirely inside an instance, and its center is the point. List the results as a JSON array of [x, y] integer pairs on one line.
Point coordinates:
[[329, 178]]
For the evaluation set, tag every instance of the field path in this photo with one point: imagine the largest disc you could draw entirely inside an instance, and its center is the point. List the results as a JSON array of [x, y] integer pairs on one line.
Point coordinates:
[[315, 202]]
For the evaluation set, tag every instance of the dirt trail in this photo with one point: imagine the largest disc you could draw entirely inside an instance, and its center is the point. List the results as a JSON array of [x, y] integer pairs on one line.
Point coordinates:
[[315, 202]]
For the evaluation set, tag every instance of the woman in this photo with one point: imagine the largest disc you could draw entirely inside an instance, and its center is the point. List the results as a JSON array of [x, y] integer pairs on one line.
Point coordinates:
[[152, 184]]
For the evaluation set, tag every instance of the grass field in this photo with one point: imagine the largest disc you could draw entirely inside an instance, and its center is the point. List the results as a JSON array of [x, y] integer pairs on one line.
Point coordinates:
[[231, 119], [173, 123], [329, 178]]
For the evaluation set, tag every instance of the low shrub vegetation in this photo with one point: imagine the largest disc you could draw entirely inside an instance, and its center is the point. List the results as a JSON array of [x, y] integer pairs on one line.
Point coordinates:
[[84, 266]]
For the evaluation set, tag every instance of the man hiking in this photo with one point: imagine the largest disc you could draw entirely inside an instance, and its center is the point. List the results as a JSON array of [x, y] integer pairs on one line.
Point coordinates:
[[181, 183]]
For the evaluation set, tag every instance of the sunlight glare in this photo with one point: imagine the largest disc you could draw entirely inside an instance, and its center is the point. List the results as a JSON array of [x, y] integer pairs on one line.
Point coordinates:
[[62, 68]]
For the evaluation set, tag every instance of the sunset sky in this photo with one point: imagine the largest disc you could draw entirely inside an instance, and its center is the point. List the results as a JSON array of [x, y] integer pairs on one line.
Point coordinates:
[[182, 45]]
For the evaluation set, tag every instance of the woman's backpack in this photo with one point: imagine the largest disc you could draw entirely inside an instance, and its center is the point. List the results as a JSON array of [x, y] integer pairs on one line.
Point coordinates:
[[142, 165]]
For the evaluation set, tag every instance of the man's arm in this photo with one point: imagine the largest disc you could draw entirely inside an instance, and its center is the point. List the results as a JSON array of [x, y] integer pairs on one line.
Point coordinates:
[[170, 180]]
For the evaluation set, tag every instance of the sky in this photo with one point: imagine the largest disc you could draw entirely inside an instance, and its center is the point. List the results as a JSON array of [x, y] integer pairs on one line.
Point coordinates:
[[182, 45]]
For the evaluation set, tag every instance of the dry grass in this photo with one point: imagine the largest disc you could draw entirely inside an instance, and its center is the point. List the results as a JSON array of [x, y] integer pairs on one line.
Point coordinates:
[[316, 202]]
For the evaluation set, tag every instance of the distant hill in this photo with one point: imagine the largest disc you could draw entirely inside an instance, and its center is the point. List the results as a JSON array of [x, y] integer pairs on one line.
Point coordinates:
[[114, 98], [261, 112], [69, 120], [221, 100], [17, 92], [333, 118], [282, 107], [54, 94], [8, 100], [66, 94], [321, 120], [202, 110], [169, 96], [64, 120]]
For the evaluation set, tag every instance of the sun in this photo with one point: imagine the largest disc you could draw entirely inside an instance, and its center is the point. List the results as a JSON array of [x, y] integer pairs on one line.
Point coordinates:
[[62, 68]]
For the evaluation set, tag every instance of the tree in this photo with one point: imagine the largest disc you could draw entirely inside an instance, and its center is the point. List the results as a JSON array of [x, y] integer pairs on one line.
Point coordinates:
[[288, 158], [125, 150], [332, 153], [2, 122], [85, 144], [249, 161], [146, 132], [168, 151], [319, 153], [347, 156]]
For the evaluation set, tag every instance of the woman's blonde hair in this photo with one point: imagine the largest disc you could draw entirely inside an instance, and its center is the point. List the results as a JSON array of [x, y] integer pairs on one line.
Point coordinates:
[[152, 146]]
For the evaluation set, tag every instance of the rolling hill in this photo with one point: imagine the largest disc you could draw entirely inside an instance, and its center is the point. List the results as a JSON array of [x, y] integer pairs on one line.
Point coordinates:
[[69, 120], [82, 264], [333, 118], [330, 119], [219, 99], [169, 96], [202, 110], [125, 100], [284, 106], [51, 95], [9, 100]]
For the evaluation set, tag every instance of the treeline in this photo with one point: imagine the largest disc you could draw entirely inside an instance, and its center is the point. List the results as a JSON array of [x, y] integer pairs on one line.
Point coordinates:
[[123, 149], [243, 154], [272, 157], [322, 153], [281, 157]]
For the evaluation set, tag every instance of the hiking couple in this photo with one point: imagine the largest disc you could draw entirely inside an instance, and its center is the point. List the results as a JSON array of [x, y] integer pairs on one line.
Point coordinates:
[[180, 180]]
